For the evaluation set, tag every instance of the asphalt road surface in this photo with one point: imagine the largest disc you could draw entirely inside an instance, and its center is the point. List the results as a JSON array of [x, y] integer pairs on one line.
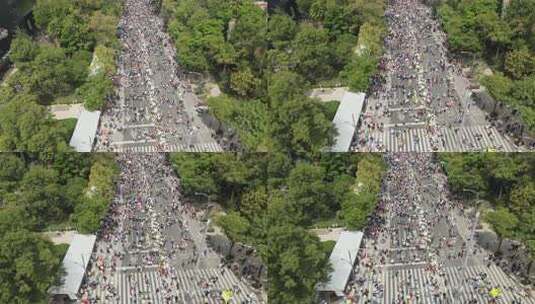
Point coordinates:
[[415, 246], [152, 247], [156, 109], [421, 101]]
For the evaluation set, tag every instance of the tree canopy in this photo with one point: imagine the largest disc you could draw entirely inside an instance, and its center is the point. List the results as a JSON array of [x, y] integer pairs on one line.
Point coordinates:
[[39, 191], [505, 42]]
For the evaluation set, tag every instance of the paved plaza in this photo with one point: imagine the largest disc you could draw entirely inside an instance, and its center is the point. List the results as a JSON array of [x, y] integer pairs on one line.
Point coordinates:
[[421, 101], [156, 108]]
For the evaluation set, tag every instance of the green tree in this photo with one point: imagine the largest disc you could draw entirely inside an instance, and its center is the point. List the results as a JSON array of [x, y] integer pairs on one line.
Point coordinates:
[[309, 196], [285, 85], [50, 76], [282, 30], [462, 37], [504, 223], [27, 126], [12, 168], [103, 176], [234, 226], [103, 27], [304, 6], [296, 263], [361, 202], [243, 82], [249, 33], [42, 198], [23, 49], [312, 51], [343, 49], [464, 171], [520, 15], [523, 92], [89, 213], [106, 60], [499, 86], [300, 125], [502, 171], [12, 218], [74, 33], [254, 203], [196, 172], [95, 91], [371, 38], [357, 74], [519, 63], [46, 12], [340, 20], [28, 267]]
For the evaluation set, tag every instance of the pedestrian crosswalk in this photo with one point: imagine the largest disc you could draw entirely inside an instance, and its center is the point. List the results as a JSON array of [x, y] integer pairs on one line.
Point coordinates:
[[150, 286], [417, 283], [475, 138], [173, 147]]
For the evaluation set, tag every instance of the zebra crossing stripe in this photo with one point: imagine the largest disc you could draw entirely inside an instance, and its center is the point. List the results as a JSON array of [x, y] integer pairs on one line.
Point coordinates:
[[124, 288], [420, 280], [155, 282], [452, 281]]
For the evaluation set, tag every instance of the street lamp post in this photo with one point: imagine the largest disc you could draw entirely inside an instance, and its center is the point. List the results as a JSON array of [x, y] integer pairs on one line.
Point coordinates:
[[469, 244]]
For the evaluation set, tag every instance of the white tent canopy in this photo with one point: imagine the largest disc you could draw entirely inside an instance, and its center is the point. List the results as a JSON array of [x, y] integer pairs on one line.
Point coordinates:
[[85, 132], [75, 264], [346, 119], [342, 259]]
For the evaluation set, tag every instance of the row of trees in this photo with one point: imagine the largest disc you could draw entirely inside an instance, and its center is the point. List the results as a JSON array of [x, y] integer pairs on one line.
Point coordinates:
[[266, 64], [226, 39], [272, 199], [327, 39], [57, 71], [40, 192], [507, 181], [505, 38]]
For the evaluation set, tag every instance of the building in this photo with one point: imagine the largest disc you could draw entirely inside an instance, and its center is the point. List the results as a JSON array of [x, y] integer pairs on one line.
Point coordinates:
[[85, 131], [346, 119], [74, 266], [342, 259]]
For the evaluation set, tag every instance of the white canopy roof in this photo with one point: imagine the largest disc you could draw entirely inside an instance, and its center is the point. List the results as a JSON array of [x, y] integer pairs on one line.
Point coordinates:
[[75, 263], [342, 260], [85, 132], [346, 119]]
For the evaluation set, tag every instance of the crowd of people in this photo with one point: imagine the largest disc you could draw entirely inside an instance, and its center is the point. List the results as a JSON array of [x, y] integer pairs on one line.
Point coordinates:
[[148, 228], [416, 85], [418, 225], [154, 94]]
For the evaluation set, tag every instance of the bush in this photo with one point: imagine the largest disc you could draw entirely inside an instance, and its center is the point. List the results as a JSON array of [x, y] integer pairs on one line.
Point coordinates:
[[330, 108], [95, 91], [66, 127]]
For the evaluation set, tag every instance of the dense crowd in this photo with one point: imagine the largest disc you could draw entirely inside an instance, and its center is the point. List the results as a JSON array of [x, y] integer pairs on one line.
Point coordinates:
[[148, 228], [416, 85], [154, 94], [414, 229]]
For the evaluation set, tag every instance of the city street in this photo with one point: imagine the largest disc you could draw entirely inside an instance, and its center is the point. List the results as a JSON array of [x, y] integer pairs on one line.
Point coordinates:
[[419, 247], [152, 248], [156, 109], [421, 102]]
